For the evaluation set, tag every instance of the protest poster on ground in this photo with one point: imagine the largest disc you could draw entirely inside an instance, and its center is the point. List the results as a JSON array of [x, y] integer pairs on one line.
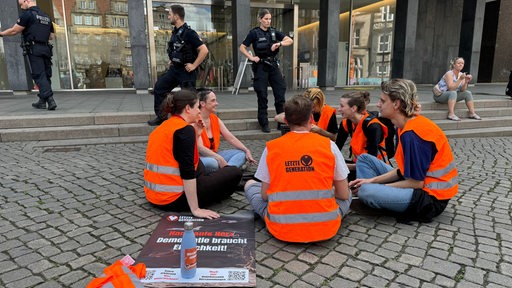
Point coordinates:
[[226, 254]]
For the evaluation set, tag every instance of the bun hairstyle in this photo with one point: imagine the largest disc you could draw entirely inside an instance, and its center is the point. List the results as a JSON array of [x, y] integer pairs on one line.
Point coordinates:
[[316, 95], [175, 102], [359, 99], [405, 91], [453, 61], [203, 95]]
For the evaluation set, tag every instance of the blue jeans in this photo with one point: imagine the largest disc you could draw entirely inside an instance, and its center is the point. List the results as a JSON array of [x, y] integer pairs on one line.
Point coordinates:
[[380, 196], [234, 157], [253, 195]]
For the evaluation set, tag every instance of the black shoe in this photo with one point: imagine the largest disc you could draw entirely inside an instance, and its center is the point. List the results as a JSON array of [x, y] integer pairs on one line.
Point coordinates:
[[155, 122], [265, 128], [51, 103], [40, 104]]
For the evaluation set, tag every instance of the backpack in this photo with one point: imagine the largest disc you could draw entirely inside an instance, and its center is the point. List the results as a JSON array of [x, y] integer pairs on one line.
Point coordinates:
[[508, 90], [389, 142]]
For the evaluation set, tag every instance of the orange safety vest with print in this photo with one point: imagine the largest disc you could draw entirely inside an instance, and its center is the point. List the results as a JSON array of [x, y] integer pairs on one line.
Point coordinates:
[[325, 116], [119, 276], [441, 180], [162, 180], [301, 203], [358, 138], [215, 128]]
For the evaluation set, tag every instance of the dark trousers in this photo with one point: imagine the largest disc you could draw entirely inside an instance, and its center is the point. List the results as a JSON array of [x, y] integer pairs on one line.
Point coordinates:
[[211, 188], [172, 78], [263, 76], [41, 69]]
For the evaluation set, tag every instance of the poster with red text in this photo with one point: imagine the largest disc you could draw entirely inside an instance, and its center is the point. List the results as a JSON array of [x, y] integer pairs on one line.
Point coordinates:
[[225, 252]]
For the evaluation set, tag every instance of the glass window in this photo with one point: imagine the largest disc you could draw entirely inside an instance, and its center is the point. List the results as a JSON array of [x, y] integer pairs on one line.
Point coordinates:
[[98, 57], [384, 43], [78, 19], [88, 20], [4, 81], [357, 36]]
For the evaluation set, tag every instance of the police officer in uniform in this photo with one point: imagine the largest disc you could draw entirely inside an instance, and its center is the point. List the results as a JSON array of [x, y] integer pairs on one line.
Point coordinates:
[[37, 29], [266, 41], [186, 52]]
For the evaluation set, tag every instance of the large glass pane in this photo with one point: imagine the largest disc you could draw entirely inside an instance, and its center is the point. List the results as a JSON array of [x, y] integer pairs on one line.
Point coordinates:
[[371, 41], [365, 42], [98, 40], [4, 81], [213, 24]]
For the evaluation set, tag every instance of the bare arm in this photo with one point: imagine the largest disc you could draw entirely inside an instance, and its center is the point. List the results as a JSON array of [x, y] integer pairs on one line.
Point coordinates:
[[224, 131], [449, 81], [287, 41], [191, 194], [14, 30], [341, 190], [205, 152], [264, 188], [202, 52], [243, 50], [323, 132]]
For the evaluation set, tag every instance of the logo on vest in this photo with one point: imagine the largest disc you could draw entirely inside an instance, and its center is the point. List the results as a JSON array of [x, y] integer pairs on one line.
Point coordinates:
[[303, 165]]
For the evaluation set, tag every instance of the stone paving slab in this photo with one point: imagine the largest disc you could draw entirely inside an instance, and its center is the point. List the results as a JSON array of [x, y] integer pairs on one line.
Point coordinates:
[[65, 214]]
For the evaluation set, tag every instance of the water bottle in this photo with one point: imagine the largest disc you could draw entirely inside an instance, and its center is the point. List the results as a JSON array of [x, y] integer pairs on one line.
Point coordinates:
[[188, 261]]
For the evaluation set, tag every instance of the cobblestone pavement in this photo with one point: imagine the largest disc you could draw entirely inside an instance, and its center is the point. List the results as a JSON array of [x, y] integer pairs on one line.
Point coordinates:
[[66, 213]]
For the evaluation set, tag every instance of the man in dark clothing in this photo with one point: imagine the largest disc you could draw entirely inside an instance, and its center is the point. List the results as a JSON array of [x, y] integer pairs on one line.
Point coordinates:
[[37, 29], [186, 52], [265, 42]]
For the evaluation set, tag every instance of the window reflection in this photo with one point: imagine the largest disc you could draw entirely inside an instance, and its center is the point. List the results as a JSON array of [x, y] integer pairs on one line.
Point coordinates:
[[94, 30], [365, 47]]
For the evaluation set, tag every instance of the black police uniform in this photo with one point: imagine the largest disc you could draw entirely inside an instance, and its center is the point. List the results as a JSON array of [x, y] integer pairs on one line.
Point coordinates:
[[266, 71], [36, 34], [182, 49]]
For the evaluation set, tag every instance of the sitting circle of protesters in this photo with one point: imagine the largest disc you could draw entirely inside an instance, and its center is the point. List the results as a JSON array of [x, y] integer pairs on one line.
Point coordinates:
[[453, 87], [426, 177], [367, 133], [174, 178], [324, 116], [209, 142], [303, 194]]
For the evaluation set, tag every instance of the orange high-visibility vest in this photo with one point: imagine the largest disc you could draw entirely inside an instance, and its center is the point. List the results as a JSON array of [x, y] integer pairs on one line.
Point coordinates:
[[441, 180], [215, 127], [119, 276], [325, 116], [301, 203], [358, 138], [162, 181]]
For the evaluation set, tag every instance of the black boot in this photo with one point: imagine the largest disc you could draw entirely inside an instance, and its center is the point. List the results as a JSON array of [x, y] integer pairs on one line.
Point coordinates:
[[40, 104], [51, 103]]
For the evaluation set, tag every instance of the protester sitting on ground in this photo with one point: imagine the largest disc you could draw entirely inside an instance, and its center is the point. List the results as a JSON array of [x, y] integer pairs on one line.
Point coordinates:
[[453, 87], [426, 178], [209, 141], [298, 170], [174, 178], [367, 133], [324, 116]]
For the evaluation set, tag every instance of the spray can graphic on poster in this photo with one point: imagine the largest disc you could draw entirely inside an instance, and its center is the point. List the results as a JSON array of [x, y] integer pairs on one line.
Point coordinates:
[[188, 261]]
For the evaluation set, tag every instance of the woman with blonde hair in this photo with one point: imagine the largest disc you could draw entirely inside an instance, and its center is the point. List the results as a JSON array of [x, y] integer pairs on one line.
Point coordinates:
[[452, 88], [324, 116]]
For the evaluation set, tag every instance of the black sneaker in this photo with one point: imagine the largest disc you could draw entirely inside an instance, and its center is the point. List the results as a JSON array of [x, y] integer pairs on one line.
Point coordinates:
[[265, 128], [40, 104], [155, 122]]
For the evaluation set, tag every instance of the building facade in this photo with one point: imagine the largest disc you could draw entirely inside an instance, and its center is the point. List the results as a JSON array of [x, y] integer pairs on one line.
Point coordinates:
[[121, 44]]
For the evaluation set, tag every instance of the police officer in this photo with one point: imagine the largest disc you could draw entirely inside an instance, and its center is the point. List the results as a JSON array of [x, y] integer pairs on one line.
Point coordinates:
[[186, 52], [37, 29], [266, 41]]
